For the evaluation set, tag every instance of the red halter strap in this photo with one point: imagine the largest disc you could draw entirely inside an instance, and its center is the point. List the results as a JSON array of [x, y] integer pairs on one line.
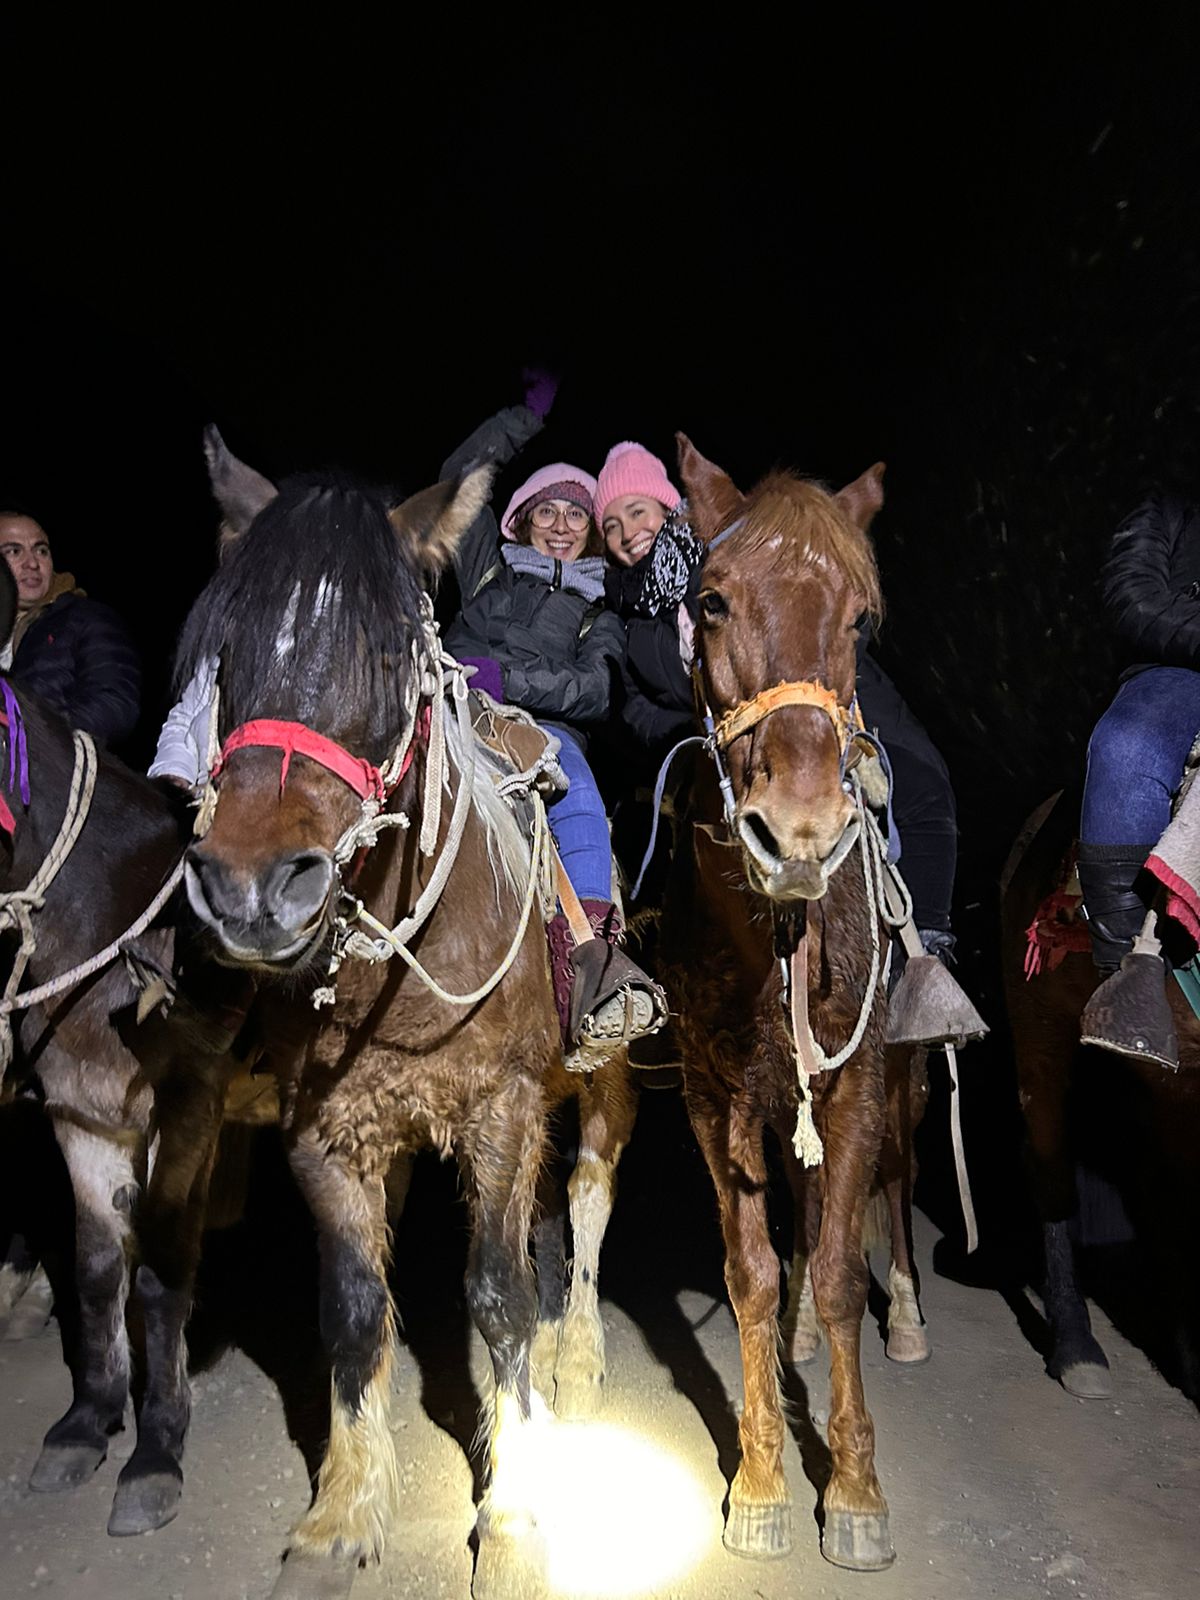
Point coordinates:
[[292, 737]]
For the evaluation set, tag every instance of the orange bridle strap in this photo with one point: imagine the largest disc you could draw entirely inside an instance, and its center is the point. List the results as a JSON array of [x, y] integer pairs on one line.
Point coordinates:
[[747, 715]]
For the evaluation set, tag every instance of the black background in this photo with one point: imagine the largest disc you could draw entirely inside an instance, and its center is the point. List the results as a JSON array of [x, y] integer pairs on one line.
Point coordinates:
[[963, 241]]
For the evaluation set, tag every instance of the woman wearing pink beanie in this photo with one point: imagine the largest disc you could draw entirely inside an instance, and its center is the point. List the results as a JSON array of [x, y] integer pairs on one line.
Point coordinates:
[[533, 622]]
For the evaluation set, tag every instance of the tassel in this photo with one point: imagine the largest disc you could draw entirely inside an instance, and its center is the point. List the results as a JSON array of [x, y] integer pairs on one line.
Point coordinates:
[[806, 1141]]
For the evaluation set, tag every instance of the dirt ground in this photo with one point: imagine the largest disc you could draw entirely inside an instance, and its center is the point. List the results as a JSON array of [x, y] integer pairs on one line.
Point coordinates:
[[1000, 1484]]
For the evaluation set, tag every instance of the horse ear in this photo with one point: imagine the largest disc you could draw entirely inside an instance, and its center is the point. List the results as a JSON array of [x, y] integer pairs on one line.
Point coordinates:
[[240, 492], [713, 497], [433, 522], [861, 499]]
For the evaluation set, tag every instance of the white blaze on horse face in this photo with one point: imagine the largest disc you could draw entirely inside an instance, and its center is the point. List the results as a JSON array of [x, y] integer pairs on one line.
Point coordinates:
[[328, 596]]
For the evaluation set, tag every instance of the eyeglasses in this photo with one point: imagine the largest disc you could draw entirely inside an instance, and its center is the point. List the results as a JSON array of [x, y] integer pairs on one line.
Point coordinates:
[[547, 514]]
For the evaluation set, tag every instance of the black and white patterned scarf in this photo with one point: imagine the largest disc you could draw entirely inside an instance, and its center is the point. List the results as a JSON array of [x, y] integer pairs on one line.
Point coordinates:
[[664, 575]]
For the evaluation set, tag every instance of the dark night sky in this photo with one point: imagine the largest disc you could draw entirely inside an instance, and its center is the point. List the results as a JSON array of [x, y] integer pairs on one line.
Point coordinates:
[[973, 257]]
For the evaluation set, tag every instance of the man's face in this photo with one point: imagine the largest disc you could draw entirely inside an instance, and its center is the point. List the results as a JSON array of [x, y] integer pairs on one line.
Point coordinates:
[[27, 551]]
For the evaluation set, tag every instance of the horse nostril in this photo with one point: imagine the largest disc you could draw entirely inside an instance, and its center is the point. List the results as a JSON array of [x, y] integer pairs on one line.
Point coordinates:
[[756, 832], [298, 887], [210, 889]]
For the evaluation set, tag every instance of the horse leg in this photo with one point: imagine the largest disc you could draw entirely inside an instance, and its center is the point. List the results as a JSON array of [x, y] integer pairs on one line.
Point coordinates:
[[358, 1488], [856, 1532], [606, 1116], [908, 1089], [170, 1225], [799, 1325], [1075, 1357], [759, 1523], [104, 1185], [550, 1257], [500, 1166], [26, 1298]]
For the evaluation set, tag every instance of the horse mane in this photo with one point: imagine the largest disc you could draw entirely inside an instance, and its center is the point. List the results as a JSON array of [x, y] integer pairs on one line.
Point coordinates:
[[315, 607], [808, 528]]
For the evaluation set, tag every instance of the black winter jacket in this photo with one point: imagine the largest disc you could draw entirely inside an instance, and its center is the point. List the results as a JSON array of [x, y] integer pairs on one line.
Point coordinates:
[[559, 654], [78, 658], [656, 703], [1152, 583]]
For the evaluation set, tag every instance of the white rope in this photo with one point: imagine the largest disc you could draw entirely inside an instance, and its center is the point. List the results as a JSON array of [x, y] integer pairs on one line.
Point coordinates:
[[388, 943], [806, 1141], [18, 905]]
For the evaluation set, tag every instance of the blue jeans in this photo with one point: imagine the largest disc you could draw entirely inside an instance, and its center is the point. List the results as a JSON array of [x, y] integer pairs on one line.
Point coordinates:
[[1136, 755], [579, 825]]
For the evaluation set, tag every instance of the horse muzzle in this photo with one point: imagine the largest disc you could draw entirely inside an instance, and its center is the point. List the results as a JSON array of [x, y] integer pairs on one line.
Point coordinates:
[[800, 871], [273, 919]]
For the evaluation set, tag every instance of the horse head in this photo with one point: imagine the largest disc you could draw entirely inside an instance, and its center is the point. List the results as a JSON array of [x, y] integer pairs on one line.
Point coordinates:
[[315, 627], [787, 581]]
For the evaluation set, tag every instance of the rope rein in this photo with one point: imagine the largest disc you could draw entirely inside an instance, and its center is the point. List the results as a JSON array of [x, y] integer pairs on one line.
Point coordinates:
[[18, 905]]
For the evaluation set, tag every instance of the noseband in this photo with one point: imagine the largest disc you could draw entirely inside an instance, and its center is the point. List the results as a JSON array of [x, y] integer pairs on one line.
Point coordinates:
[[747, 714]]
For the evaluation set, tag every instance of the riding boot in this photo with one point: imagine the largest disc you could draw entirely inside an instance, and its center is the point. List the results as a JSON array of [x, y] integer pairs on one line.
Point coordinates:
[[1129, 1012], [611, 1001]]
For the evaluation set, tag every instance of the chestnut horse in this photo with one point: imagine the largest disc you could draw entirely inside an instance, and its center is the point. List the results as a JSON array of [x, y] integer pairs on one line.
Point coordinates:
[[768, 889], [135, 1109], [1134, 1122], [355, 816]]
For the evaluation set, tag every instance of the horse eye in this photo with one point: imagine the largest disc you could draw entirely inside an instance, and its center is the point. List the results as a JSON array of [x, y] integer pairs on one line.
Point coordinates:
[[860, 622], [712, 604]]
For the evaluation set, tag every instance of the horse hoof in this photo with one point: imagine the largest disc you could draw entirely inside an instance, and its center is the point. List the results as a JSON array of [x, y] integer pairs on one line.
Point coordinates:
[[1087, 1380], [509, 1567], [801, 1348], [31, 1310], [306, 1576], [65, 1466], [143, 1504], [859, 1540], [578, 1397], [760, 1533], [907, 1345]]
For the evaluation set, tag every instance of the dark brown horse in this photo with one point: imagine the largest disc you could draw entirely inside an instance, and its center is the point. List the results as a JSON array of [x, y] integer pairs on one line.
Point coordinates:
[[331, 715], [135, 1110], [1134, 1123], [769, 888]]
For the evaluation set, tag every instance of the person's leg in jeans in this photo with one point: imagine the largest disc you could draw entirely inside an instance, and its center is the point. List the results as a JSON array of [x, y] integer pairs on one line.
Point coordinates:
[[1135, 761]]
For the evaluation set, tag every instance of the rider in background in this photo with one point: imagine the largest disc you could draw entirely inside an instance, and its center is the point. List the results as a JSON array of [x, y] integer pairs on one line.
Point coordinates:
[[73, 652], [1136, 755]]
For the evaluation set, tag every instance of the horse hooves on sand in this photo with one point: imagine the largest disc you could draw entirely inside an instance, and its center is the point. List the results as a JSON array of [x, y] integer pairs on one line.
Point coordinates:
[[909, 1346], [306, 1576], [859, 1540], [65, 1466], [1087, 1380], [510, 1568], [144, 1503], [760, 1533]]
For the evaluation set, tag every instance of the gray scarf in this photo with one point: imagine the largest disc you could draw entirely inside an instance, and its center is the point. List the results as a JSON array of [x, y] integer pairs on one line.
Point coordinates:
[[584, 577]]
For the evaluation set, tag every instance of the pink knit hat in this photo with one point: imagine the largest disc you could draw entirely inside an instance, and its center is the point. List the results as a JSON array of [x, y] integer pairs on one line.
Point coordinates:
[[630, 469], [558, 481]]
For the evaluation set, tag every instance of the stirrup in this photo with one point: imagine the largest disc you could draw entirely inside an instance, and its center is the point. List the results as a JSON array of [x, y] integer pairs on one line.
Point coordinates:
[[1129, 1013], [929, 1006], [613, 1002]]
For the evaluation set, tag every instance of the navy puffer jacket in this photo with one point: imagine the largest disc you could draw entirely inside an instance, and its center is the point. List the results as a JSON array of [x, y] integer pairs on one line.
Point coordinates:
[[78, 658]]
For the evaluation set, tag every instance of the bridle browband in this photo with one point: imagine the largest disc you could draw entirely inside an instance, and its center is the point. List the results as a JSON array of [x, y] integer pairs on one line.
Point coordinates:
[[291, 738]]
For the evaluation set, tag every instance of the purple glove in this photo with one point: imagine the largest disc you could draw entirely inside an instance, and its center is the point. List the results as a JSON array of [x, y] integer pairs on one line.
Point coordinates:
[[540, 388], [488, 676]]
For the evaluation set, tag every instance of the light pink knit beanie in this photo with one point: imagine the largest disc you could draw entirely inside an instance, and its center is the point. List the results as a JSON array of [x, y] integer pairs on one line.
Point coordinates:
[[558, 481], [630, 469]]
